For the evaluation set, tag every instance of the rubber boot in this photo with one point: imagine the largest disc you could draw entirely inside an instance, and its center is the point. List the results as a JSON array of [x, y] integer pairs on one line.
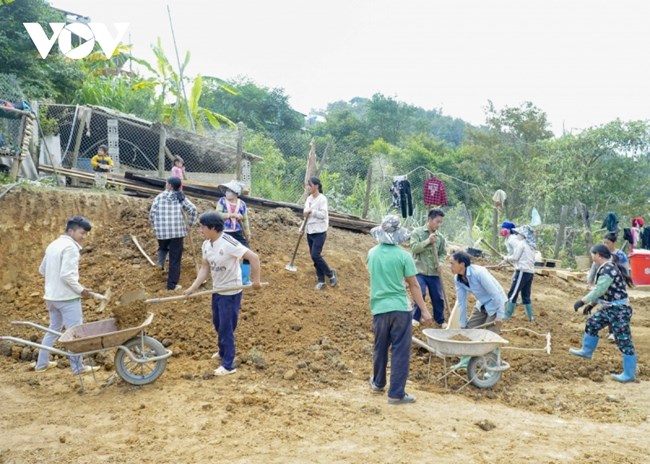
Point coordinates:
[[245, 273], [589, 343], [529, 311], [510, 308], [629, 369], [462, 364]]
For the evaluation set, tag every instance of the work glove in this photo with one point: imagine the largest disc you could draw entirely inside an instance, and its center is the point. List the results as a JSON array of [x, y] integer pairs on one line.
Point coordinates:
[[587, 310], [578, 304]]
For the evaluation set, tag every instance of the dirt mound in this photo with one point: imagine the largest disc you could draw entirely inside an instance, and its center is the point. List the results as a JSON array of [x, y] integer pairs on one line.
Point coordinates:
[[290, 335]]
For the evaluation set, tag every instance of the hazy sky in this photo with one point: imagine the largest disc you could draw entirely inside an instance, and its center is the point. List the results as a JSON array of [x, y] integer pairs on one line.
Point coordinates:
[[584, 62]]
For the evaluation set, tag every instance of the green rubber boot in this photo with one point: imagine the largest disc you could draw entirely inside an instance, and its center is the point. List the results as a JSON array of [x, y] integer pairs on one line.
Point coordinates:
[[529, 311], [510, 308]]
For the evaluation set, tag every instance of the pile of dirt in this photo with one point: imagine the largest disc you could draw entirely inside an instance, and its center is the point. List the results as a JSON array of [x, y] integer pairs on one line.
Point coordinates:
[[297, 336], [130, 314]]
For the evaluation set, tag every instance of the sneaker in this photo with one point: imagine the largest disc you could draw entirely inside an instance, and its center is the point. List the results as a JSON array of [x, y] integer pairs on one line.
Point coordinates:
[[443, 325], [87, 370], [216, 356], [333, 279], [320, 286], [50, 365], [415, 323], [223, 371], [405, 400], [374, 387]]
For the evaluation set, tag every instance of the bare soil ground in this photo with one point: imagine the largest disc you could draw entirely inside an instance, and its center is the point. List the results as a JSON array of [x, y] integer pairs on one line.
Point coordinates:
[[301, 392]]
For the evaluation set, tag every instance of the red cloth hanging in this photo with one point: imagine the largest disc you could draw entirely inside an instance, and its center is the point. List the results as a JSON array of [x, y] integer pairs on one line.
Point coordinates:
[[434, 192]]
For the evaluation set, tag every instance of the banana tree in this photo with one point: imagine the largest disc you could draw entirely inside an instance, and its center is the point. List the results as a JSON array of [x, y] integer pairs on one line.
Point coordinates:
[[172, 107]]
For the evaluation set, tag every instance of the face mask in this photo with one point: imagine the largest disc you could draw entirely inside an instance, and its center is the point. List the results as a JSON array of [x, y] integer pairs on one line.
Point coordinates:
[[230, 195]]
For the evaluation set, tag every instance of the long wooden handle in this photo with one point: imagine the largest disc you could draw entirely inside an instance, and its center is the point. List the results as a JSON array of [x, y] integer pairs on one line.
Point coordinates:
[[135, 240], [302, 232], [205, 292]]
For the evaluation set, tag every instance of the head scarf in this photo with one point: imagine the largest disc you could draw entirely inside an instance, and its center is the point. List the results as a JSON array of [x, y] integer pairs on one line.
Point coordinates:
[[528, 234], [390, 232]]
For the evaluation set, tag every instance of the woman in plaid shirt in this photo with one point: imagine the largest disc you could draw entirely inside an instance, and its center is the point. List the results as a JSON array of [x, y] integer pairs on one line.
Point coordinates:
[[166, 217]]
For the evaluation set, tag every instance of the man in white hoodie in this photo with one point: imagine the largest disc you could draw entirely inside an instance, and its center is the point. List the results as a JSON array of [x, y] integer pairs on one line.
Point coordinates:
[[63, 292]]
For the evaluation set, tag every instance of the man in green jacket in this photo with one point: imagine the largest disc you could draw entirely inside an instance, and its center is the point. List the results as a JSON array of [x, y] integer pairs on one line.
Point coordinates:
[[429, 253]]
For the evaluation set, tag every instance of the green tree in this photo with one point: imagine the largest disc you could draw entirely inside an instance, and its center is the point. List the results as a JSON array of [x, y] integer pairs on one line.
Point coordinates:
[[108, 84], [604, 167], [500, 155], [174, 106], [55, 77], [260, 108]]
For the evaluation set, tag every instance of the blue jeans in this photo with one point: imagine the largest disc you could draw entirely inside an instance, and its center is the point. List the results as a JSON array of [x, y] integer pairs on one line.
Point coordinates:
[[392, 330], [62, 314], [225, 314], [316, 243], [434, 285]]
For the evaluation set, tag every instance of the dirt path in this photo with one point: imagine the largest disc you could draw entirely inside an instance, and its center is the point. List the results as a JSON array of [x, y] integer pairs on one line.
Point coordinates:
[[304, 357]]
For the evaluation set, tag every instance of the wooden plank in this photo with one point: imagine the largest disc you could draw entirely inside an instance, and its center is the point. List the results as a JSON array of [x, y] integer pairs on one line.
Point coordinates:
[[337, 219], [564, 275], [542, 272]]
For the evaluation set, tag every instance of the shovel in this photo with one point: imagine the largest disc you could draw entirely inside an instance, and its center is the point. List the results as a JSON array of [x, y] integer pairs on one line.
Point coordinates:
[[105, 298], [292, 267], [141, 294], [454, 318]]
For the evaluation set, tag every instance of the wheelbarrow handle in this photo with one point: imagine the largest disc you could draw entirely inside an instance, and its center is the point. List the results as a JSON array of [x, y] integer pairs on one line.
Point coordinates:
[[205, 292], [37, 326]]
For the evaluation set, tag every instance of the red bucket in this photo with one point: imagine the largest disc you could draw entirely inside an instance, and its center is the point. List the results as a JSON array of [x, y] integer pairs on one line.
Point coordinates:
[[640, 267]]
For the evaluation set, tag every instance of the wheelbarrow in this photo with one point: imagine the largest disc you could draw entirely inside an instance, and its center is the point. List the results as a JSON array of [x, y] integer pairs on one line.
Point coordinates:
[[485, 365], [139, 359]]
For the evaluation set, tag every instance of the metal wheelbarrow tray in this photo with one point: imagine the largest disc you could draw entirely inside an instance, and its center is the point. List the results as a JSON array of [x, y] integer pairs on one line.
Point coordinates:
[[485, 365], [139, 359]]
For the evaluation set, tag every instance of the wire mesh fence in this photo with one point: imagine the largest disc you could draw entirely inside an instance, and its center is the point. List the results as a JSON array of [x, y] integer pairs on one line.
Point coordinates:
[[145, 147]]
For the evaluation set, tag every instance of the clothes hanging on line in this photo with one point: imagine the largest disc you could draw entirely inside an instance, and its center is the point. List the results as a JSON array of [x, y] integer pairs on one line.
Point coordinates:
[[611, 222], [645, 238], [627, 236], [405, 198], [434, 192], [401, 194], [394, 191]]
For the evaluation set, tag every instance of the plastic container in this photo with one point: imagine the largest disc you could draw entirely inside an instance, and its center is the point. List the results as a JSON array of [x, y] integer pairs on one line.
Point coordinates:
[[640, 267]]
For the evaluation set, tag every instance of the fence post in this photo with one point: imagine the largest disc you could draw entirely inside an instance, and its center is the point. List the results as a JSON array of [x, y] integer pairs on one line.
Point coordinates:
[[366, 201], [240, 147], [585, 217], [77, 146], [559, 241], [495, 227], [161, 151]]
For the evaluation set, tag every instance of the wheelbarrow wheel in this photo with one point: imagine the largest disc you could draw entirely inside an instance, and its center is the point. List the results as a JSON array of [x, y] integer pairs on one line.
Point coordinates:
[[140, 373], [482, 370]]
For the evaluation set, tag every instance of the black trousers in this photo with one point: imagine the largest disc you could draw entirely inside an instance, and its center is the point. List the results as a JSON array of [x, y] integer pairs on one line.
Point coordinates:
[[316, 243], [405, 198], [173, 246], [522, 282]]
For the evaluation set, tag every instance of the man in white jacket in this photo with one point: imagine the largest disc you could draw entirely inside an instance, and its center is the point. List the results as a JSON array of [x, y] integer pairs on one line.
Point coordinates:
[[63, 292]]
